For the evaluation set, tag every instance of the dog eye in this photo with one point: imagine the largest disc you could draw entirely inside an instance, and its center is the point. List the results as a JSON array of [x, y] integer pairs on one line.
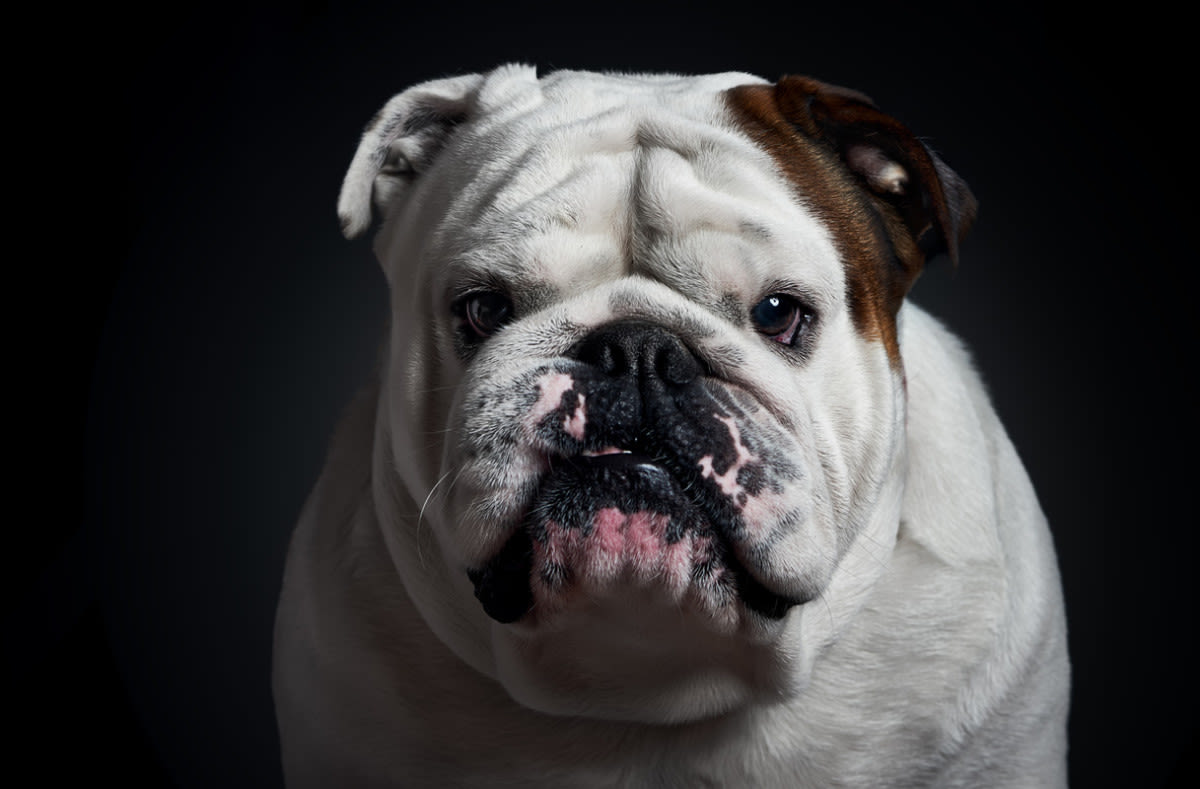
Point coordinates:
[[781, 318], [486, 312]]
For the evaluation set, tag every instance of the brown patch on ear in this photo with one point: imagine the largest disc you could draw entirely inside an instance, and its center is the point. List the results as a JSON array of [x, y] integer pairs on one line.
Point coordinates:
[[934, 202], [888, 201]]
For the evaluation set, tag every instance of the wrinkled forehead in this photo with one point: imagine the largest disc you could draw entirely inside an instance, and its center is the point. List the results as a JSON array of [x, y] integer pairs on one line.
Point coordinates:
[[584, 177]]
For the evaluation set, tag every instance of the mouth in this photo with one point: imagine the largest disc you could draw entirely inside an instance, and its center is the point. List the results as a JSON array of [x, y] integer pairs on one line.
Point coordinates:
[[621, 515]]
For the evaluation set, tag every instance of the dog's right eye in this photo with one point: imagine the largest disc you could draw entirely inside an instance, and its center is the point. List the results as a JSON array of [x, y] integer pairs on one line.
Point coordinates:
[[486, 312]]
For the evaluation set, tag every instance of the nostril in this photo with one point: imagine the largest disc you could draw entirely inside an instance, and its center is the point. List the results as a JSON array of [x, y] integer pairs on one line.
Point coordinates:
[[611, 359], [676, 365], [601, 352]]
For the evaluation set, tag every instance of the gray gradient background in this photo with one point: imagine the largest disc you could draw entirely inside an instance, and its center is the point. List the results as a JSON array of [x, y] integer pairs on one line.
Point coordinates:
[[209, 323]]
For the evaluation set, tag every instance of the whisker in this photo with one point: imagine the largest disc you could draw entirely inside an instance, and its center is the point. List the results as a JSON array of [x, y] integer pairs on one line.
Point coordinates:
[[435, 389], [428, 498]]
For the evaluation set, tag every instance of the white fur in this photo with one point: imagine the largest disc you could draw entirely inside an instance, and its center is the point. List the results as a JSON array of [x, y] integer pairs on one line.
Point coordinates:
[[935, 652]]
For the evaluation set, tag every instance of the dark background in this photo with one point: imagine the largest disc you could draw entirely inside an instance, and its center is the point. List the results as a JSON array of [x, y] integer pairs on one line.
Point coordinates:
[[185, 323]]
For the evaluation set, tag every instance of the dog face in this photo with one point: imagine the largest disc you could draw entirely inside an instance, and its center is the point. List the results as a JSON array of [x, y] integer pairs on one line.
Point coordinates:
[[641, 433]]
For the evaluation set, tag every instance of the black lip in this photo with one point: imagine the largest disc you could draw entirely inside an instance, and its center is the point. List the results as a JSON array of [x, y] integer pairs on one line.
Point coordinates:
[[503, 585], [757, 597]]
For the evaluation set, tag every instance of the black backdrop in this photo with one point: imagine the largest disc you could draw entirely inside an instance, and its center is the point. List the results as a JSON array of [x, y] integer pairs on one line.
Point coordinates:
[[200, 322]]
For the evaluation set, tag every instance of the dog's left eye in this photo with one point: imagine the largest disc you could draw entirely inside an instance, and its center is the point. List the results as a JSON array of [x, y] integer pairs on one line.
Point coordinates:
[[486, 312], [781, 318]]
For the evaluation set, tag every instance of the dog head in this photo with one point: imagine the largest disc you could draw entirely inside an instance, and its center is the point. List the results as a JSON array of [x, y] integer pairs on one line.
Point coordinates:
[[641, 433]]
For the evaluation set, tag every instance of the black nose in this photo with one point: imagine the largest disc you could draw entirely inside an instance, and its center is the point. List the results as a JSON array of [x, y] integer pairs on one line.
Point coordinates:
[[641, 352]]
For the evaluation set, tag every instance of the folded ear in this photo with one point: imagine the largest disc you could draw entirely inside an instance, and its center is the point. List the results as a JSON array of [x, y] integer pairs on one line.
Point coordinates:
[[898, 169], [399, 143]]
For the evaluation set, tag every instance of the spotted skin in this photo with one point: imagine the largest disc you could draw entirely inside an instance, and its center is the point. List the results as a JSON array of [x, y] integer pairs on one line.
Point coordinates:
[[657, 486]]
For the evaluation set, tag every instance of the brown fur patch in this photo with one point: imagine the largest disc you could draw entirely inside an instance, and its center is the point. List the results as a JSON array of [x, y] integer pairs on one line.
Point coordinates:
[[882, 237]]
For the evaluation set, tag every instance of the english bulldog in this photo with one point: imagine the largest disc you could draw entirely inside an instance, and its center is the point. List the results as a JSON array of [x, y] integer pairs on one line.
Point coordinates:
[[662, 481]]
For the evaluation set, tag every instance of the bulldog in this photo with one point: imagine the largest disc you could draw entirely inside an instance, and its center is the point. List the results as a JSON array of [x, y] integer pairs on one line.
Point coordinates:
[[661, 480]]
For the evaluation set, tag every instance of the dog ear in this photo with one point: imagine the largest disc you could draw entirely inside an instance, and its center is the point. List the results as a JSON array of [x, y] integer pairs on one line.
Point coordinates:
[[895, 167], [399, 143]]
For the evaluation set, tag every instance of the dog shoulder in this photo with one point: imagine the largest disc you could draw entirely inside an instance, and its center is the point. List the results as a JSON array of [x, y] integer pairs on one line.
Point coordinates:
[[321, 633], [968, 499], [959, 467], [971, 518]]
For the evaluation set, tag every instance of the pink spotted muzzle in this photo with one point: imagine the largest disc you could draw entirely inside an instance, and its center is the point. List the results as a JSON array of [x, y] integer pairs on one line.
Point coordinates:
[[649, 476]]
